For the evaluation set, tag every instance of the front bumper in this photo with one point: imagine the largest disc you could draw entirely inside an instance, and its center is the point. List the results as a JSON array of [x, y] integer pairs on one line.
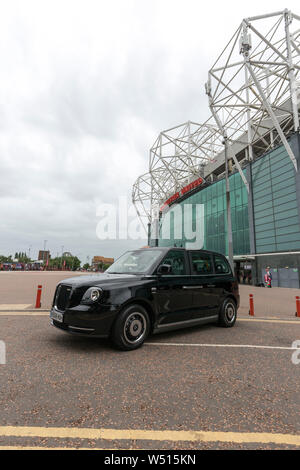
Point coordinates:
[[85, 320]]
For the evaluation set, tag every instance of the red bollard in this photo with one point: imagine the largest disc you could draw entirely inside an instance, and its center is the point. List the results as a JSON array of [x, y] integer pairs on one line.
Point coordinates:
[[297, 314], [38, 297], [251, 302]]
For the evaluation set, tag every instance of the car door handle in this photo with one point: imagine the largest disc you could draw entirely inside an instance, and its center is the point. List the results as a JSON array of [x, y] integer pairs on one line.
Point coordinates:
[[192, 287], [211, 285]]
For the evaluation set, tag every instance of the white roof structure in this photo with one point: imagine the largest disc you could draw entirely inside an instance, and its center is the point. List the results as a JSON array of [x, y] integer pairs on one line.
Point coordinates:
[[253, 92]]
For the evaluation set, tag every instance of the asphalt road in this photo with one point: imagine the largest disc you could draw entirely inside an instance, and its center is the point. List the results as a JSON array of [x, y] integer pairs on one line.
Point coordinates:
[[182, 390]]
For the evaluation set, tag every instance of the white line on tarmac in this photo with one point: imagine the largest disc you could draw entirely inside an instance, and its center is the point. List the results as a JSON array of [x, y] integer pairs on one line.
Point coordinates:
[[196, 345]]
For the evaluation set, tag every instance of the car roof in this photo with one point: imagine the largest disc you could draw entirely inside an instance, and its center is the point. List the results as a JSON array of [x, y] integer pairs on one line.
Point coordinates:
[[168, 248]]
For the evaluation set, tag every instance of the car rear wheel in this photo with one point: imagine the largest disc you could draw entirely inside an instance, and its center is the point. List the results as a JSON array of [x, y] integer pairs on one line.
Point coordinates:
[[228, 313], [131, 328]]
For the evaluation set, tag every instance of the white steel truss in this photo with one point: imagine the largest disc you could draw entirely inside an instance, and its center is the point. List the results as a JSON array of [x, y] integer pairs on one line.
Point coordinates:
[[253, 87], [177, 158], [254, 94]]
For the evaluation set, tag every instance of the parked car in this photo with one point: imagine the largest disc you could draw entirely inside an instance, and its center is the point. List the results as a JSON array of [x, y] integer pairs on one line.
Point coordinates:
[[148, 291]]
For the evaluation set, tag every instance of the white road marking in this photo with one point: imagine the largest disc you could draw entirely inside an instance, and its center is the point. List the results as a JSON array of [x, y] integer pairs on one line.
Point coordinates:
[[196, 345]]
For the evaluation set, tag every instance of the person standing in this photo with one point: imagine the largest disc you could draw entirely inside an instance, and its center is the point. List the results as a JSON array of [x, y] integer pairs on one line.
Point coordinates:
[[268, 278]]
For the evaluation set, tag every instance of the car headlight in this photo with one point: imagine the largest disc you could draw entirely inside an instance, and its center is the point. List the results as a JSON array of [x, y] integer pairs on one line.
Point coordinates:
[[95, 295], [92, 295]]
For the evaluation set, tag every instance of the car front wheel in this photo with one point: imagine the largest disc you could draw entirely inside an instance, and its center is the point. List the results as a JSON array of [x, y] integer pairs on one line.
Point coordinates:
[[131, 328], [228, 313]]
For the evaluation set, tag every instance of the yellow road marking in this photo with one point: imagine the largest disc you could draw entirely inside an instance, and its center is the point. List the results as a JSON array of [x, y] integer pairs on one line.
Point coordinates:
[[24, 314], [59, 448], [267, 320], [152, 435], [14, 306]]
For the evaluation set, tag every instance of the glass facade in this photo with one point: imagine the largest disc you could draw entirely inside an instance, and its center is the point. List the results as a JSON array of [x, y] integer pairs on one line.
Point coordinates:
[[275, 214], [183, 218], [275, 205]]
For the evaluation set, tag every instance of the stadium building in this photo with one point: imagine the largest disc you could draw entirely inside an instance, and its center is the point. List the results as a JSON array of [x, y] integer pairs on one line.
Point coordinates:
[[251, 142]]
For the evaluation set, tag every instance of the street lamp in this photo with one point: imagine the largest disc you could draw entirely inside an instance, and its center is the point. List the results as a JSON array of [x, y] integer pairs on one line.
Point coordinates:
[[45, 243], [62, 251]]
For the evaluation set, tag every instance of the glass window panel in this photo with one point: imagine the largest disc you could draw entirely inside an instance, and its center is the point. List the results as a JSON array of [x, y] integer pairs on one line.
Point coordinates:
[[292, 245], [286, 198], [238, 197], [288, 237], [176, 259], [208, 207], [285, 207], [283, 177], [201, 263], [290, 229], [261, 207], [283, 184], [263, 220], [286, 222], [267, 197], [214, 206], [266, 248], [221, 265], [263, 227], [283, 170], [265, 234], [284, 215], [244, 195], [221, 222], [245, 217], [265, 241]]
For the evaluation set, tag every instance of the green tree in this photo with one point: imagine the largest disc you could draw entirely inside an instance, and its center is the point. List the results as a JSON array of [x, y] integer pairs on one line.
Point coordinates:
[[67, 262]]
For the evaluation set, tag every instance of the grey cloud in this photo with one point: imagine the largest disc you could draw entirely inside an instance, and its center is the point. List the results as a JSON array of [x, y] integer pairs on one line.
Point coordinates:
[[85, 89]]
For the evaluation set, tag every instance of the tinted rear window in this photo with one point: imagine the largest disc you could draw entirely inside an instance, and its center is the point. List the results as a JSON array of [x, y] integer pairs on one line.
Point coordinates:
[[221, 265], [201, 263]]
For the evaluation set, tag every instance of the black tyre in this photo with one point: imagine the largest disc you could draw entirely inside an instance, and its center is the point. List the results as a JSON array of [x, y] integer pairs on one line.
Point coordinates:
[[228, 313], [131, 328]]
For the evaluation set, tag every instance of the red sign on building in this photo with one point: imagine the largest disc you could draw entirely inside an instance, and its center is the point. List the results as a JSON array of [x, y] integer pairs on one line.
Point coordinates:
[[186, 189]]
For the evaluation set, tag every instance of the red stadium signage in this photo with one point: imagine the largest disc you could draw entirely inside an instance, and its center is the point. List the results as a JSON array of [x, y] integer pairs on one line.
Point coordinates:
[[186, 189]]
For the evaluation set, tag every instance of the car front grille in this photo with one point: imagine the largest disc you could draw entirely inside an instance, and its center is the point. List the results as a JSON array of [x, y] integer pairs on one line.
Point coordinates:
[[62, 297], [76, 296]]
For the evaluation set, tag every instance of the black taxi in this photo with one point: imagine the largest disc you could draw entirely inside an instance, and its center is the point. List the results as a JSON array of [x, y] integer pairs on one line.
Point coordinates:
[[148, 291]]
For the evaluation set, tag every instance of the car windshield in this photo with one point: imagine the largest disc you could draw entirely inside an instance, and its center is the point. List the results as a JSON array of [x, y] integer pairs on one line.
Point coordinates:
[[135, 262]]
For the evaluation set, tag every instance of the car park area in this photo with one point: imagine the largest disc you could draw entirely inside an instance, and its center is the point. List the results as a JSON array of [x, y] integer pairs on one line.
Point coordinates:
[[197, 388]]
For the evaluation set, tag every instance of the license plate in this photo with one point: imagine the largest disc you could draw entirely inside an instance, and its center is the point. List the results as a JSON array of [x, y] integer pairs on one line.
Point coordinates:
[[57, 316]]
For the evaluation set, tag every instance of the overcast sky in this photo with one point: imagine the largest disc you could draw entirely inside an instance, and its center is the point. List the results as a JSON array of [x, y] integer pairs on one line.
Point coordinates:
[[85, 88]]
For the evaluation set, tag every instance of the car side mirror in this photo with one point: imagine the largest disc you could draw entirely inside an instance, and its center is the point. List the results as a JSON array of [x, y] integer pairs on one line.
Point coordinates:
[[164, 269]]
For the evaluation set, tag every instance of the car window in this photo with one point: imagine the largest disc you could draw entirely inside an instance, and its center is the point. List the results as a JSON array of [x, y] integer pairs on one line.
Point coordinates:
[[201, 263], [139, 261], [176, 259], [221, 265]]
